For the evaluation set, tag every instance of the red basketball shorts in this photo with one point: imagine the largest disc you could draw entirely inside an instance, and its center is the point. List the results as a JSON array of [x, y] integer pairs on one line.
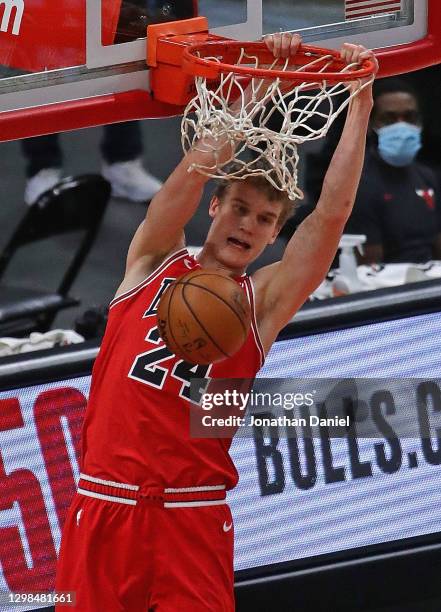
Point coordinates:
[[132, 550]]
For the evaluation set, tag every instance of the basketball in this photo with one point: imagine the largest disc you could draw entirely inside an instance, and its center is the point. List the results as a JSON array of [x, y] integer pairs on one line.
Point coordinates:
[[204, 317]]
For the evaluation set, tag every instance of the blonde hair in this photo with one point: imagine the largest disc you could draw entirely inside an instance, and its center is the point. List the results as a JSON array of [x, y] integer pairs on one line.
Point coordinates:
[[260, 182]]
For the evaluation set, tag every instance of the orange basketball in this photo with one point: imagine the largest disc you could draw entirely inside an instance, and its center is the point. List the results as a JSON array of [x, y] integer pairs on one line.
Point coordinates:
[[204, 317]]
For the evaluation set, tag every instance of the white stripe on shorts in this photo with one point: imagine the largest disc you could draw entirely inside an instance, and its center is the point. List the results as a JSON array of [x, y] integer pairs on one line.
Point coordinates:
[[119, 500], [196, 489], [109, 483], [216, 502]]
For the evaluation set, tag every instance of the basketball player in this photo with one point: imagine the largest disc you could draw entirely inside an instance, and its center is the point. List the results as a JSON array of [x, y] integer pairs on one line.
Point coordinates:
[[149, 527]]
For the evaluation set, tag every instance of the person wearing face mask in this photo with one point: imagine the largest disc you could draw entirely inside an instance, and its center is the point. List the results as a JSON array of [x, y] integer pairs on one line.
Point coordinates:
[[398, 203]]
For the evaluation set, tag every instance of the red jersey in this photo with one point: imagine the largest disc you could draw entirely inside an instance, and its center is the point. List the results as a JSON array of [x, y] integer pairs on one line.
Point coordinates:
[[137, 427]]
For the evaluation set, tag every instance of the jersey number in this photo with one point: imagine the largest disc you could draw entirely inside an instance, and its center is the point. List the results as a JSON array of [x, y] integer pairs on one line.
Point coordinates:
[[147, 369]]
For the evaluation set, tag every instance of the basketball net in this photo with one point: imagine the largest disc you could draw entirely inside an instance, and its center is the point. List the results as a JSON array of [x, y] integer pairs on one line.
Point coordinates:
[[238, 111]]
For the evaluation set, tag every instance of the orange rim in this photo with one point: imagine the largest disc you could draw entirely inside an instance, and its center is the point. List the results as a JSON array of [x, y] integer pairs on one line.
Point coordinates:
[[197, 60]]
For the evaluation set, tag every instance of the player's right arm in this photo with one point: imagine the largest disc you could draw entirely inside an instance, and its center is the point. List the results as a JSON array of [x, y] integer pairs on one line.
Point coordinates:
[[162, 231]]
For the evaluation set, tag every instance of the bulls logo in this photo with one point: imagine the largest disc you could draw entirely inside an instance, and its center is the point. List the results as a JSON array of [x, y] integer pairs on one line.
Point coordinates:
[[428, 197]]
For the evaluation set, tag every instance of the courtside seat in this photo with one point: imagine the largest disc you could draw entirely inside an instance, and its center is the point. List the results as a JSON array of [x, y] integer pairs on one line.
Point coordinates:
[[75, 204]]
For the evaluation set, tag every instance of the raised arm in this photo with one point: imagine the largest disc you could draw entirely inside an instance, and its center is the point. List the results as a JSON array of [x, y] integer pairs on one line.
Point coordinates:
[[170, 210], [283, 287], [173, 206]]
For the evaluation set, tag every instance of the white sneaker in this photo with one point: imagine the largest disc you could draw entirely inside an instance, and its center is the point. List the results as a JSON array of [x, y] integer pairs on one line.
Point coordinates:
[[39, 183], [131, 181]]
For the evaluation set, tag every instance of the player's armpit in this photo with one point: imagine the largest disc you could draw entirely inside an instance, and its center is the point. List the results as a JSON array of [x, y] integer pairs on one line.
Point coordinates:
[[283, 288]]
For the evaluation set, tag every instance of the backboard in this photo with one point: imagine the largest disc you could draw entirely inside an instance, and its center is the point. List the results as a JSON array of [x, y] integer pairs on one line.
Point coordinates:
[[78, 63]]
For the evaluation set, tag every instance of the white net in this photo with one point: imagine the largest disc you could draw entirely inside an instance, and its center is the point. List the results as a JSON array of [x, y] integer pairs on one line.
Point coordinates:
[[264, 120]]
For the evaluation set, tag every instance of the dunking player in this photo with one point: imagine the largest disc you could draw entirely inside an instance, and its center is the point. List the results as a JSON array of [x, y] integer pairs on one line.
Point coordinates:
[[149, 527]]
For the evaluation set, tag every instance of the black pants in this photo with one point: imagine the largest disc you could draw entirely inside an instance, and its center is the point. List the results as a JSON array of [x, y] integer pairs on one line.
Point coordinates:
[[121, 142]]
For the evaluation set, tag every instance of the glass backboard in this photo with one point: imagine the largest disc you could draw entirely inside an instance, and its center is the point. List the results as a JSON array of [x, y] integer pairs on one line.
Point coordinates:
[[89, 55]]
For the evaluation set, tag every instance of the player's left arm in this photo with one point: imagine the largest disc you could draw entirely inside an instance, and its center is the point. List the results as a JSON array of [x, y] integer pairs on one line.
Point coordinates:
[[283, 287]]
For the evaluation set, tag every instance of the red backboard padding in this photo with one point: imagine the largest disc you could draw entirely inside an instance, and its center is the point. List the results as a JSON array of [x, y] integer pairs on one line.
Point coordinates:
[[39, 35]]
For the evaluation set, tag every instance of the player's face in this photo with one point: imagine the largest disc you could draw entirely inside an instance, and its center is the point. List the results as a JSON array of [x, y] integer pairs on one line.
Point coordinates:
[[244, 223]]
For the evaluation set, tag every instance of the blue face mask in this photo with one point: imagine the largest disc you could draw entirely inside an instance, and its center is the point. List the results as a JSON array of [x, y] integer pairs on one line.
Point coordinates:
[[399, 143]]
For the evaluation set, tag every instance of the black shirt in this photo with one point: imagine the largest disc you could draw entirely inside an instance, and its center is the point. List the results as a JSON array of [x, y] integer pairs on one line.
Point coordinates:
[[399, 208]]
